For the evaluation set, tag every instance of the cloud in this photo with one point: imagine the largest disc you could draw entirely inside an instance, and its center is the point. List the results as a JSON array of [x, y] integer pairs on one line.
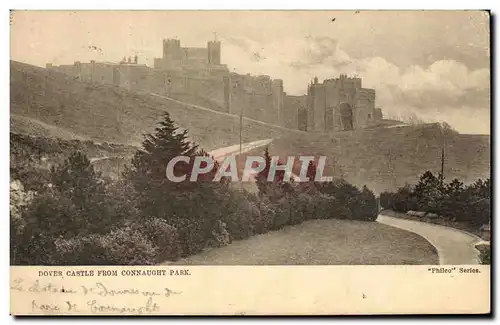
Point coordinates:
[[443, 83], [320, 51], [443, 90]]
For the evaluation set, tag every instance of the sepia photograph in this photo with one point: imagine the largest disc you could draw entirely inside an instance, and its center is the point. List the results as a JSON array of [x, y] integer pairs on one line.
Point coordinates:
[[98, 112], [249, 138]]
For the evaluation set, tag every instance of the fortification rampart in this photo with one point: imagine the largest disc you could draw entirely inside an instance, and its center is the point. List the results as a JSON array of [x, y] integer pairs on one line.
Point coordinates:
[[196, 75]]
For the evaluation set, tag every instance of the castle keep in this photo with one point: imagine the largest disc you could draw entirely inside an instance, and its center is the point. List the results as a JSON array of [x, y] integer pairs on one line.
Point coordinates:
[[339, 104], [197, 75]]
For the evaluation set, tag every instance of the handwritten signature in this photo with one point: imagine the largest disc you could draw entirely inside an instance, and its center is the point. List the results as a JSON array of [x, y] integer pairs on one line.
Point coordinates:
[[95, 307], [94, 293], [98, 288]]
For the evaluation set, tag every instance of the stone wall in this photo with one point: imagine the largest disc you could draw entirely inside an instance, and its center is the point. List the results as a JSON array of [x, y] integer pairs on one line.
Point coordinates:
[[325, 100], [212, 86], [365, 107], [293, 105]]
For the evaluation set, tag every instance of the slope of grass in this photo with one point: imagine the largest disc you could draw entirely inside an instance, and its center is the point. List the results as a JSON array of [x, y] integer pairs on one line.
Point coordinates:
[[324, 242], [34, 127], [54, 105], [385, 159], [107, 113], [31, 155]]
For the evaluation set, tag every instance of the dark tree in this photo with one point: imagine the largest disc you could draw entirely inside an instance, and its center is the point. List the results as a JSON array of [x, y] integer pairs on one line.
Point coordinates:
[[272, 189], [192, 207]]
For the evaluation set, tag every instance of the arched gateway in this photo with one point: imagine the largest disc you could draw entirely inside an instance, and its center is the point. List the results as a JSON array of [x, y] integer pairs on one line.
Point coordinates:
[[346, 116]]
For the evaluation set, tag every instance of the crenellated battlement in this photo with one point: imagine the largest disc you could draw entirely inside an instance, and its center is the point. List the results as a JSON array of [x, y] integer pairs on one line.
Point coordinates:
[[196, 74], [339, 104]]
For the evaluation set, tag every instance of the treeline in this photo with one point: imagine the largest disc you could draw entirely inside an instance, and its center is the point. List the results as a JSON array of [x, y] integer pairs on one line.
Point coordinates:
[[452, 200], [78, 217]]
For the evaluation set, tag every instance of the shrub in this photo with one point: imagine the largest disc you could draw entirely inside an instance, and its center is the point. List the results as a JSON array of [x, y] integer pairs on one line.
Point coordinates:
[[19, 198], [77, 179], [324, 206], [54, 215], [453, 200], [129, 247], [368, 204], [163, 236], [361, 204], [429, 192], [221, 234], [485, 255], [81, 250], [255, 217], [240, 213], [46, 218], [38, 249], [23, 247], [240, 221], [402, 201], [264, 220], [123, 246], [342, 212], [386, 200], [303, 208], [192, 235], [120, 205], [275, 189], [281, 213], [328, 207]]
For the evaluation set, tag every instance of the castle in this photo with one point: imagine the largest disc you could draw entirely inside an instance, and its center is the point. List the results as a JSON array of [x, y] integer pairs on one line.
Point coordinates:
[[199, 72], [196, 74], [339, 104]]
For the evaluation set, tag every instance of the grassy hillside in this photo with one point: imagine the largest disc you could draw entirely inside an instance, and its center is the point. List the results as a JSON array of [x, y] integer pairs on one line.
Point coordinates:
[[31, 158], [107, 113], [386, 158], [28, 125], [50, 104]]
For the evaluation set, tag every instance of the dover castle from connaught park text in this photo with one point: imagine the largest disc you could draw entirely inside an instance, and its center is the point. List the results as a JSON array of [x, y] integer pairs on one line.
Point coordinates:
[[196, 75]]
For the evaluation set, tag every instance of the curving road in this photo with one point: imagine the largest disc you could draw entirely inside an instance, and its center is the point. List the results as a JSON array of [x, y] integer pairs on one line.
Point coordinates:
[[234, 150], [218, 154], [454, 247], [94, 159]]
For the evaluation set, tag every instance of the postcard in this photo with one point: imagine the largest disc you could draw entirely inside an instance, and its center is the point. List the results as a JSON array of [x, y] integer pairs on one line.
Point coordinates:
[[250, 162]]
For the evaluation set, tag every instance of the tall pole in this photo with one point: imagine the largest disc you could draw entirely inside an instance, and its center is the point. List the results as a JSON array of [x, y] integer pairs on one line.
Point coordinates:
[[241, 129], [241, 138], [442, 156], [234, 86], [392, 167], [442, 165]]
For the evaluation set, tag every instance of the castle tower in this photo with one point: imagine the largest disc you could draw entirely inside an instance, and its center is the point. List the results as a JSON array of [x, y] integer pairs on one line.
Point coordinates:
[[278, 101], [171, 50], [214, 51], [310, 114]]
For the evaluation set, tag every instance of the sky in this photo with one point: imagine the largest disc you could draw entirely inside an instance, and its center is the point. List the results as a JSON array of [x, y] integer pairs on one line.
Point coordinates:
[[424, 65]]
